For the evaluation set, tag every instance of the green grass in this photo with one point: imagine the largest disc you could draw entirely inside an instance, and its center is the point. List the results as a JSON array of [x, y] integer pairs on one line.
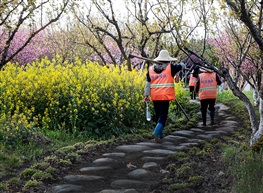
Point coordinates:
[[60, 148], [244, 163], [246, 167], [54, 151]]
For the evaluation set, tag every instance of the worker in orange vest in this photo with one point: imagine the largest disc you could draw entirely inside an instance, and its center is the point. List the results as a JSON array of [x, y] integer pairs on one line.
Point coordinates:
[[206, 87], [159, 88], [192, 82]]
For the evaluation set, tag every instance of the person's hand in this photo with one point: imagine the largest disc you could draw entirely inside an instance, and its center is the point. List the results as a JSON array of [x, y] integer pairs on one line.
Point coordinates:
[[146, 99]]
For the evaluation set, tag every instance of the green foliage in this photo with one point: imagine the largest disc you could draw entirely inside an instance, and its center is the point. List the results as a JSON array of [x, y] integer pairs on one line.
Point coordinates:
[[35, 117], [195, 179], [171, 167], [42, 176], [64, 150], [13, 129], [64, 163], [178, 155], [179, 186], [32, 184], [184, 169], [195, 150], [41, 166], [9, 163], [79, 98], [51, 170], [14, 181], [246, 167], [3, 186], [27, 173], [73, 157], [53, 101], [229, 154], [181, 96]]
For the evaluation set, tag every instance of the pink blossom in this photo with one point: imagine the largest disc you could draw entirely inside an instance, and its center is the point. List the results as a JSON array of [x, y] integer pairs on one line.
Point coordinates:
[[37, 47]]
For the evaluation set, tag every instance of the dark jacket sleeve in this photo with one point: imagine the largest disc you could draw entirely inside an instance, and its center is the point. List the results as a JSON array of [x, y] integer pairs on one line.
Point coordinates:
[[218, 79], [175, 68], [148, 79]]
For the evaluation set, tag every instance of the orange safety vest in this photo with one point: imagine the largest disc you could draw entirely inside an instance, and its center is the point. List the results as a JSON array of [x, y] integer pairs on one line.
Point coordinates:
[[208, 85], [193, 80], [162, 84]]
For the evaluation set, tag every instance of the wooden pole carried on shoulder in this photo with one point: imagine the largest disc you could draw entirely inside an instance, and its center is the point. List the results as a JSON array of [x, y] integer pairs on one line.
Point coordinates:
[[143, 58]]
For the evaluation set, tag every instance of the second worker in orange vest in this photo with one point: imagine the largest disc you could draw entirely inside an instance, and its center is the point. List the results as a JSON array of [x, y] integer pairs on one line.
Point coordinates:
[[160, 88], [191, 85], [206, 87]]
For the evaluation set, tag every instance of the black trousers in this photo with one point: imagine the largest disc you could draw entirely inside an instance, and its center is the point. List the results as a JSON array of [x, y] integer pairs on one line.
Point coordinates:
[[207, 104], [192, 92], [161, 109]]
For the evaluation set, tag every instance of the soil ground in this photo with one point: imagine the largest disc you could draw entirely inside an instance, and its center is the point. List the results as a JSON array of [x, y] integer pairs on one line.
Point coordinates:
[[210, 171], [206, 166]]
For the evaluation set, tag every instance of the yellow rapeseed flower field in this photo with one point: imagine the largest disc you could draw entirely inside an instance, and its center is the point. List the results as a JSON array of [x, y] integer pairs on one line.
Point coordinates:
[[101, 101], [77, 97]]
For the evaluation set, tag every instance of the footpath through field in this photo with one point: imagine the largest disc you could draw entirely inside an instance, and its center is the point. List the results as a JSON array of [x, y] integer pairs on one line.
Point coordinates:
[[135, 168]]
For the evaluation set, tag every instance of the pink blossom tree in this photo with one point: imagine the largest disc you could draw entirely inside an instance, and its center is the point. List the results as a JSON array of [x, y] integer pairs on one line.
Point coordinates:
[[36, 48], [17, 15], [237, 55], [112, 55]]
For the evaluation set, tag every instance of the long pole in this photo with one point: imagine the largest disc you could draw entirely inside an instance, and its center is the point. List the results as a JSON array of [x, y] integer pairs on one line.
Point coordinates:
[[182, 109], [147, 52], [143, 58]]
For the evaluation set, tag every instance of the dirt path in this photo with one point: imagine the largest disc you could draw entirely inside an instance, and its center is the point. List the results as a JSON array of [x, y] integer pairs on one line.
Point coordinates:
[[137, 168]]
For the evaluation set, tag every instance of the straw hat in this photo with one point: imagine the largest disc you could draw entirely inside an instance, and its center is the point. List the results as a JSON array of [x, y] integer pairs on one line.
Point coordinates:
[[164, 56]]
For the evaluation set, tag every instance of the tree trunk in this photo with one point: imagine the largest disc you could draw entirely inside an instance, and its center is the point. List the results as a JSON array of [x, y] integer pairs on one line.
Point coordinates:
[[255, 97], [256, 128], [257, 135]]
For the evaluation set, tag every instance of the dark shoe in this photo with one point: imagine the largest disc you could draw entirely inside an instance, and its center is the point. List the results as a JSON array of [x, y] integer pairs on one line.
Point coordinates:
[[204, 118], [201, 124], [212, 116]]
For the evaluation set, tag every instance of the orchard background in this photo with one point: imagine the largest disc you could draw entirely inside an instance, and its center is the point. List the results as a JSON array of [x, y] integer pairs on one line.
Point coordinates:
[[66, 74]]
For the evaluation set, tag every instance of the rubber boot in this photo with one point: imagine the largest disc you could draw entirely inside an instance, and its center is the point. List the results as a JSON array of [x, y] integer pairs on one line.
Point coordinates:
[[204, 118], [212, 115], [158, 133]]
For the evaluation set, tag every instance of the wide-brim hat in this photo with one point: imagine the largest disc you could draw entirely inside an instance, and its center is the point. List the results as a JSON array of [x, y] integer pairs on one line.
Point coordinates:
[[164, 56]]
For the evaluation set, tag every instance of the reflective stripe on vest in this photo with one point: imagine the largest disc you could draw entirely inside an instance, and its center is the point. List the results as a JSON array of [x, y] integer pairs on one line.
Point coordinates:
[[193, 80], [162, 84], [208, 88], [208, 85]]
